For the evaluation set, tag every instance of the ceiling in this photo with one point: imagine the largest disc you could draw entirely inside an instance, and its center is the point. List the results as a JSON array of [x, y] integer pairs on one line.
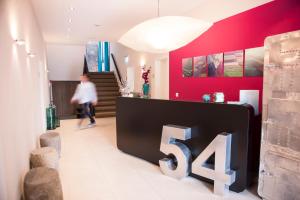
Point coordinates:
[[79, 21]]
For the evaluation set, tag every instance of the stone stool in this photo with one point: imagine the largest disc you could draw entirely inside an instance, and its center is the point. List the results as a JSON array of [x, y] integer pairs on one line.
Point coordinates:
[[51, 139], [44, 157], [42, 183]]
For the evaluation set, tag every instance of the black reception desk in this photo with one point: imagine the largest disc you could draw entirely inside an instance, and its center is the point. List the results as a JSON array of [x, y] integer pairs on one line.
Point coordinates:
[[140, 122]]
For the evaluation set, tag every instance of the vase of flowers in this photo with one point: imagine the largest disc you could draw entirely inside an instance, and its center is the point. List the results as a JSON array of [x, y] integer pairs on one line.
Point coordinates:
[[146, 85]]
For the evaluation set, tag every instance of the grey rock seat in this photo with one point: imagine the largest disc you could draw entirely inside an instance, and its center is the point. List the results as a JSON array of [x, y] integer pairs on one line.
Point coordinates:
[[42, 183], [44, 157], [51, 139]]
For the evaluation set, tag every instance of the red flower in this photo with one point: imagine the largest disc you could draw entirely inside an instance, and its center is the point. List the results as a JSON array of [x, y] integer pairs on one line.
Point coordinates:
[[145, 75]]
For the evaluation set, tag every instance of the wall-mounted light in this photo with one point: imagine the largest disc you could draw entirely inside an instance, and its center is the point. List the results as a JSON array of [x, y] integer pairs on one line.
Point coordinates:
[[31, 55], [126, 59], [142, 63], [20, 42]]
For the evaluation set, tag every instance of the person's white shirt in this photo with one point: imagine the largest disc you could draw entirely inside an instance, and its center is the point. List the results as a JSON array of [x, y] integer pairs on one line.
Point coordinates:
[[85, 93]]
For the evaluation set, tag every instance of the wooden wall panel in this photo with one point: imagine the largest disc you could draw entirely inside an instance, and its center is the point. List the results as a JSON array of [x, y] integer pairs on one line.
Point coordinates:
[[62, 94]]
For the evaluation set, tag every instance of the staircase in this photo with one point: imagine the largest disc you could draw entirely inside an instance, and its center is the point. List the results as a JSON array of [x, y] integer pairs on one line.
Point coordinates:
[[107, 90]]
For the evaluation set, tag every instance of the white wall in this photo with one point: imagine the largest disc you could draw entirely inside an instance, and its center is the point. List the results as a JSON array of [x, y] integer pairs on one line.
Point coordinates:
[[65, 62], [161, 79], [24, 93], [136, 59]]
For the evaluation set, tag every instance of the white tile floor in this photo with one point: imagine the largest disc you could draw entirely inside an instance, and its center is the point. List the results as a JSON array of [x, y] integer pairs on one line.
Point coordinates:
[[92, 168]]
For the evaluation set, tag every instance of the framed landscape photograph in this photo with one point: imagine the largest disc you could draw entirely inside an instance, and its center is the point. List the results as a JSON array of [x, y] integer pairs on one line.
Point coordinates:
[[92, 56], [215, 65], [233, 63], [254, 62], [200, 67], [187, 67]]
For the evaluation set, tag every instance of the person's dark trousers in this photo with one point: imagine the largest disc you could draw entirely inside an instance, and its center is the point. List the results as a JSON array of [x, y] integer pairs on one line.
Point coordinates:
[[87, 111]]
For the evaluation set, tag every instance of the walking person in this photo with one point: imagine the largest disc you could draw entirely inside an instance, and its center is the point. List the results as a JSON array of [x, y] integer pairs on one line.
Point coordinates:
[[86, 96]]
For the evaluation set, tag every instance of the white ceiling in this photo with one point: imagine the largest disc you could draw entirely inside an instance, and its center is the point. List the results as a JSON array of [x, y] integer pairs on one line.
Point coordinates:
[[116, 17]]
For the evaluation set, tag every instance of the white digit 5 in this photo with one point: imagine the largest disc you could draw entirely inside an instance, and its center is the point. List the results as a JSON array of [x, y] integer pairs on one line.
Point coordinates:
[[169, 146]]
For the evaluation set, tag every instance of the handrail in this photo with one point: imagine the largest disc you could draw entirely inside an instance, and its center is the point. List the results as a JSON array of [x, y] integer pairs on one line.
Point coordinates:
[[117, 70], [85, 66], [118, 74]]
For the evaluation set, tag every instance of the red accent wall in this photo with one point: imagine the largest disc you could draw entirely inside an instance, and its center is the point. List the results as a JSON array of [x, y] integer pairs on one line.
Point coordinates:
[[245, 30]]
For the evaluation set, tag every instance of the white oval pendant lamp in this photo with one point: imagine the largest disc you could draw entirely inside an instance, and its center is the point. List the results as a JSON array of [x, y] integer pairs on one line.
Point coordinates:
[[164, 34]]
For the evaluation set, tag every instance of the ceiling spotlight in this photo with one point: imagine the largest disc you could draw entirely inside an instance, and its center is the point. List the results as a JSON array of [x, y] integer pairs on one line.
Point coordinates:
[[31, 55], [20, 42], [71, 8], [70, 20]]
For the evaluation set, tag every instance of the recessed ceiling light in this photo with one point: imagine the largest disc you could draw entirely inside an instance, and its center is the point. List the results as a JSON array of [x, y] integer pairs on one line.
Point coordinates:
[[70, 20], [20, 42], [71, 8], [91, 40], [31, 55]]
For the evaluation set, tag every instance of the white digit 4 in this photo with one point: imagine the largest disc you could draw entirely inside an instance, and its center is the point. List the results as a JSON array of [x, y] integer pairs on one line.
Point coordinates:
[[222, 176], [169, 145]]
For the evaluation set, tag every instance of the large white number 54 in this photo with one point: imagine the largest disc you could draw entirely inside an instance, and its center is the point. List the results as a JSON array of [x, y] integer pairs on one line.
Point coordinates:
[[221, 174]]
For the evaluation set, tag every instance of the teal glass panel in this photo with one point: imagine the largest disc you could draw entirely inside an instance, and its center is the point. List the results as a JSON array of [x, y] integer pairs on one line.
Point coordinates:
[[106, 57], [100, 58]]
